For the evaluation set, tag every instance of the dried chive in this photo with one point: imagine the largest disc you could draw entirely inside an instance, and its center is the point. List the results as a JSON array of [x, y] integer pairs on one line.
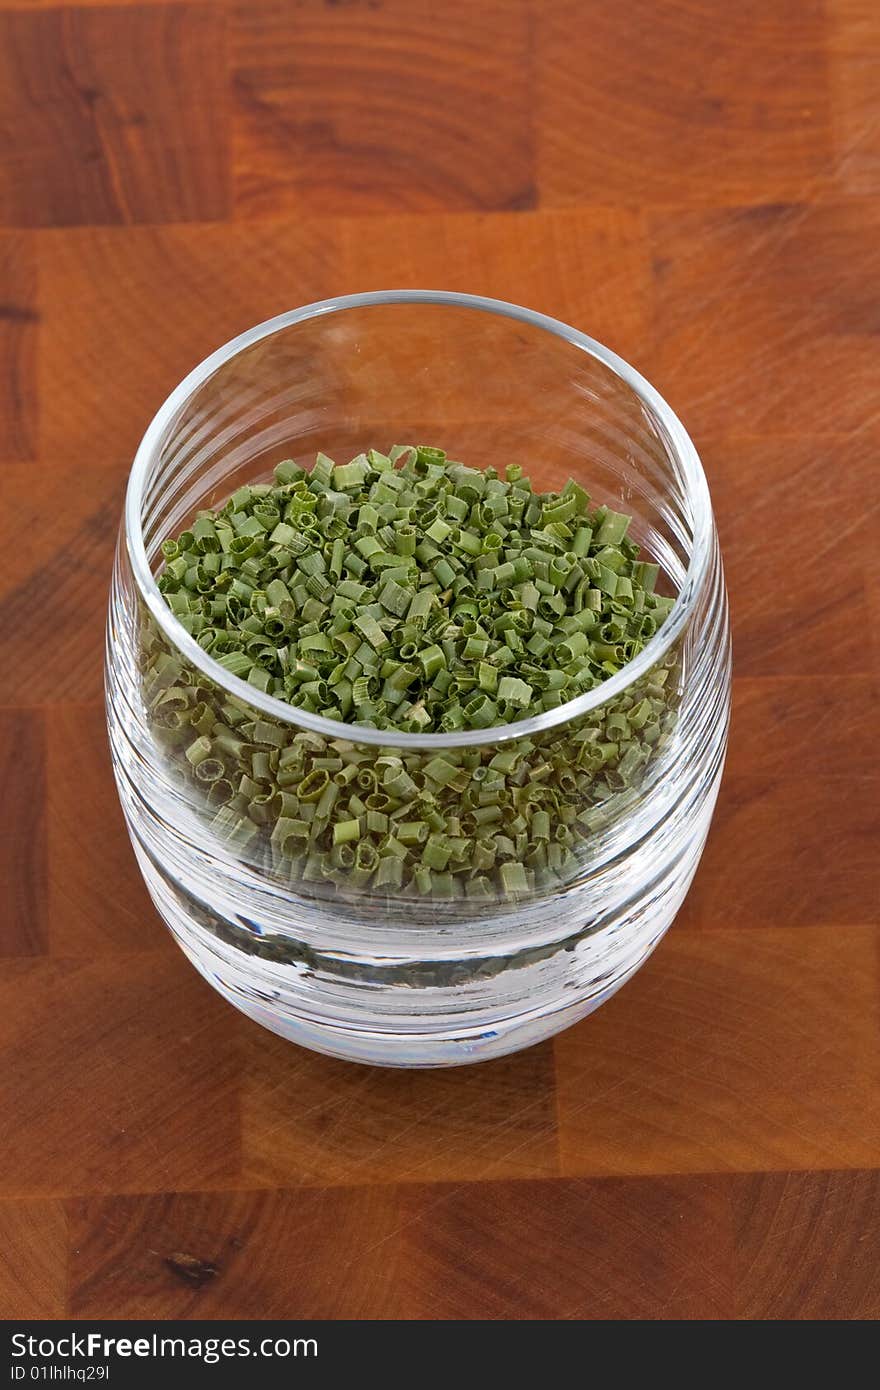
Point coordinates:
[[406, 591]]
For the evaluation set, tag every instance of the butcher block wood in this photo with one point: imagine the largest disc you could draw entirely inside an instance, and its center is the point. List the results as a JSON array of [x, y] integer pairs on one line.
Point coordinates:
[[699, 187]]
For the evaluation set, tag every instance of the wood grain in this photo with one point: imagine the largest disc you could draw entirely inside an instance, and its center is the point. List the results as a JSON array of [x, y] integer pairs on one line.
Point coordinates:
[[721, 1246], [120, 919], [682, 108], [854, 73], [119, 115], [121, 1074], [766, 316], [340, 1251], [518, 1249], [23, 844], [66, 509], [525, 1253], [703, 198], [818, 738], [375, 105], [789, 589], [33, 1259], [312, 1120], [210, 281], [808, 1245], [587, 266], [775, 859], [19, 316], [734, 1051]]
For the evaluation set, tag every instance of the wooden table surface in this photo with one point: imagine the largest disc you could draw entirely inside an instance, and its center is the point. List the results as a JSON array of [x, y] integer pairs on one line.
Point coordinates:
[[698, 188]]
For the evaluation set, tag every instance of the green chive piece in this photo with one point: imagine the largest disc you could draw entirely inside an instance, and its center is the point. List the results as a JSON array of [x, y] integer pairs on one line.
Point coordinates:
[[406, 591]]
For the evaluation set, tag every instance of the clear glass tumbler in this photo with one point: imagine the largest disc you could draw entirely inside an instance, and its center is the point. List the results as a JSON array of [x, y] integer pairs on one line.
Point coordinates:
[[477, 964]]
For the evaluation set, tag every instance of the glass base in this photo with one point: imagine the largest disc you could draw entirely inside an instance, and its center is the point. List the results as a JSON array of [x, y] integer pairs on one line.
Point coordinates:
[[400, 1026], [408, 1049]]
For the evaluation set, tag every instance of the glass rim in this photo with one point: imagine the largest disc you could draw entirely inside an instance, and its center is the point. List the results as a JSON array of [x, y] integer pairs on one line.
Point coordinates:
[[677, 440]]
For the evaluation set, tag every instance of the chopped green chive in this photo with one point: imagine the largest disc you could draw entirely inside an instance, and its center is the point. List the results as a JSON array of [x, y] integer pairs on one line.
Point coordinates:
[[407, 591]]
